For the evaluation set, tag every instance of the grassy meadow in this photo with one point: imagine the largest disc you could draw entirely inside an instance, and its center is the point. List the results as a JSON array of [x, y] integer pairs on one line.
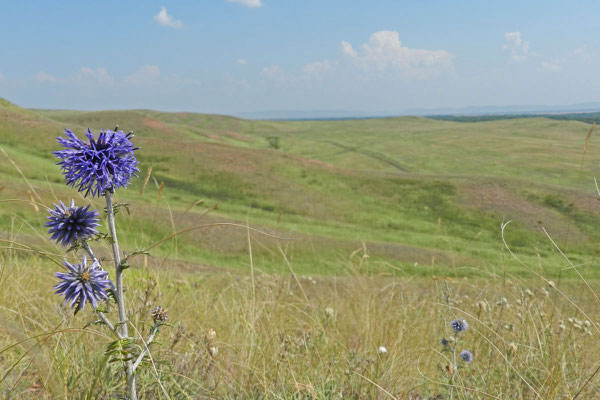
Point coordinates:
[[306, 246]]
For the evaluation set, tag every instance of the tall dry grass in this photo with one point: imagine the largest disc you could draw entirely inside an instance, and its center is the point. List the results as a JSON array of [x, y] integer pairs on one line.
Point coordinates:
[[290, 337]]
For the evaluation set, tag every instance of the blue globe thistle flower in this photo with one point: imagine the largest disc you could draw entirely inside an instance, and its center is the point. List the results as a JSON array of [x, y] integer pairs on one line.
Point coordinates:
[[83, 284], [466, 355], [68, 224], [98, 164], [459, 325]]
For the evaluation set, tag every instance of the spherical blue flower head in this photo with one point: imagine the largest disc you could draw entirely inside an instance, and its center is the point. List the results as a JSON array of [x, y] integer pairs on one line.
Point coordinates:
[[466, 355], [83, 284], [459, 325], [98, 164], [69, 224]]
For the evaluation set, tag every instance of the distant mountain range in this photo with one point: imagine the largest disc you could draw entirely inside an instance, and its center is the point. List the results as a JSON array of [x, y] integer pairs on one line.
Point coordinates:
[[471, 110]]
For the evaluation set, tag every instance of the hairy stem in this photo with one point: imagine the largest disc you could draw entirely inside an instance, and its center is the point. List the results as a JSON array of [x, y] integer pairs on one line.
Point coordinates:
[[454, 366], [105, 319], [145, 350], [87, 248], [119, 292]]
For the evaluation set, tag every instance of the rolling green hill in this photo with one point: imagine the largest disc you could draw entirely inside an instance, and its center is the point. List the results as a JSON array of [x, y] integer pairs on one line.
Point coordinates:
[[418, 196]]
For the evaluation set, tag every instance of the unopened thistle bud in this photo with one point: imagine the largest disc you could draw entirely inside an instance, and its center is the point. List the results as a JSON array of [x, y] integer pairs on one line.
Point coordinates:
[[466, 355], [160, 314], [459, 325]]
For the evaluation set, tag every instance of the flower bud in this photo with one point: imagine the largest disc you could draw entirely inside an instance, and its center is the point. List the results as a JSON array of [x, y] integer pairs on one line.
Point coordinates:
[[160, 314]]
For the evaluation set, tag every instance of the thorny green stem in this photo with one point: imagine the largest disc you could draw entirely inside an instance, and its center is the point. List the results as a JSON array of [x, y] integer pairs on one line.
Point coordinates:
[[129, 371]]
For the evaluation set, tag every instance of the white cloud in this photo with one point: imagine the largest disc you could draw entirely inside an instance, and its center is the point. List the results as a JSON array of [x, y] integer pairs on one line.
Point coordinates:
[[164, 19], [552, 65], [384, 50], [516, 46], [146, 75], [584, 53], [271, 72], [348, 50], [44, 77], [248, 3], [91, 76], [241, 61], [317, 69]]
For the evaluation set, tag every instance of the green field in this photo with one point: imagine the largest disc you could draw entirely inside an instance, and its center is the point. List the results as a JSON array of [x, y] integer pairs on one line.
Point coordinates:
[[309, 244], [419, 196]]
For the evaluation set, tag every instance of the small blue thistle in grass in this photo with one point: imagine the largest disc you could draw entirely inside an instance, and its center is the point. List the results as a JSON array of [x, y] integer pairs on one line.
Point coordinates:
[[99, 164], [459, 325], [83, 284], [69, 224], [466, 355]]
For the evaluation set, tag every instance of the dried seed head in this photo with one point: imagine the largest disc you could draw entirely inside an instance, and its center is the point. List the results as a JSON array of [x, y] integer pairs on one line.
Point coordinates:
[[382, 350], [482, 305], [160, 314], [211, 335], [503, 302], [214, 351], [330, 312]]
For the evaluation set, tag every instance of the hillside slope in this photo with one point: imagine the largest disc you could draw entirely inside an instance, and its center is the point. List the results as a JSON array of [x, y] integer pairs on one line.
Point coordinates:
[[415, 195]]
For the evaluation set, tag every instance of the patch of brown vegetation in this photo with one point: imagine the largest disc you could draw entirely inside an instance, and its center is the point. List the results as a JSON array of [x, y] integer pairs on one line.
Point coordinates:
[[499, 200], [319, 163], [237, 136], [158, 125]]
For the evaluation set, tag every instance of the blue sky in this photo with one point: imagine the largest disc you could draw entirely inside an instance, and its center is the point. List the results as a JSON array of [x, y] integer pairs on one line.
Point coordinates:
[[226, 56]]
